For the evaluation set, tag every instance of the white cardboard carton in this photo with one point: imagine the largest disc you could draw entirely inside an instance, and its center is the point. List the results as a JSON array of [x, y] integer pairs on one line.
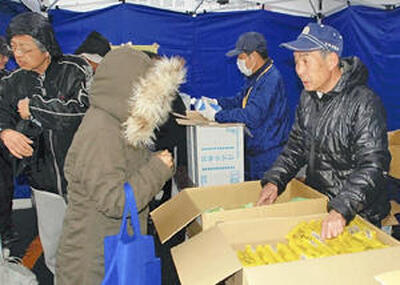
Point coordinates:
[[215, 154]]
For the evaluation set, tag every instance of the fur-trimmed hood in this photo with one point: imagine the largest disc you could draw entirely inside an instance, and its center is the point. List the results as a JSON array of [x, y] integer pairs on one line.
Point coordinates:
[[137, 91]]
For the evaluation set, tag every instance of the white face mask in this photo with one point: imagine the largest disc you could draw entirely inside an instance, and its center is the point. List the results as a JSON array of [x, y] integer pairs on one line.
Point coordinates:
[[241, 64]]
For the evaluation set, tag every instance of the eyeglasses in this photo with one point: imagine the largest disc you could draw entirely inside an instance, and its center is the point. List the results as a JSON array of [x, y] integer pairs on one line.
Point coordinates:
[[21, 51]]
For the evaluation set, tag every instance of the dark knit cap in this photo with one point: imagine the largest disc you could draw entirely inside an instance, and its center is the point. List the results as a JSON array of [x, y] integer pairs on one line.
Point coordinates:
[[94, 43], [38, 27]]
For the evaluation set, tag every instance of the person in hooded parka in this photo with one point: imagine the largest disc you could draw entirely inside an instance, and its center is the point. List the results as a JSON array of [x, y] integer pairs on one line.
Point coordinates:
[[130, 97]]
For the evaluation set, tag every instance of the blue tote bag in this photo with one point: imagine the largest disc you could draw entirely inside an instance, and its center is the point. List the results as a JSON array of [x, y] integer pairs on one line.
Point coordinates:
[[130, 259]]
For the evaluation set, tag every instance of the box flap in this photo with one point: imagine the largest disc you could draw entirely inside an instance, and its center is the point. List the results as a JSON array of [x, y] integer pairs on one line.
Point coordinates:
[[389, 278], [338, 269], [194, 118], [394, 137], [205, 259], [394, 169], [390, 219], [296, 188], [394, 148], [179, 211], [174, 214], [300, 208]]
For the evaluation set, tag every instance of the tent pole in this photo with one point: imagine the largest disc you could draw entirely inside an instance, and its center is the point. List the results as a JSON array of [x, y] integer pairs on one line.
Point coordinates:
[[319, 15]]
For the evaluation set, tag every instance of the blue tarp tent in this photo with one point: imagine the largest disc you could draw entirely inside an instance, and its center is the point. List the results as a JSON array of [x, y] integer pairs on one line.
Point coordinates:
[[372, 34]]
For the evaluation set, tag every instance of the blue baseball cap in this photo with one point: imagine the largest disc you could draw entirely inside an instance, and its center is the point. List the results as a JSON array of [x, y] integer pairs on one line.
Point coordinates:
[[249, 42], [317, 37]]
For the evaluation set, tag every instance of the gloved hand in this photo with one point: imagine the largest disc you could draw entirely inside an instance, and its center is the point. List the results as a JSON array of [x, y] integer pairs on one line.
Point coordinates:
[[208, 112], [209, 100]]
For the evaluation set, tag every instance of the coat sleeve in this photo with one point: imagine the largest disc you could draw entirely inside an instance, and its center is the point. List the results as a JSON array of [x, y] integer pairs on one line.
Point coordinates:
[[228, 103], [68, 106], [8, 115], [292, 158], [372, 159], [103, 173], [261, 101]]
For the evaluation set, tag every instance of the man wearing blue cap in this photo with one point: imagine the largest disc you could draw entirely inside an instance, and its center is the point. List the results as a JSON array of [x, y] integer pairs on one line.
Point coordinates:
[[339, 133], [261, 105]]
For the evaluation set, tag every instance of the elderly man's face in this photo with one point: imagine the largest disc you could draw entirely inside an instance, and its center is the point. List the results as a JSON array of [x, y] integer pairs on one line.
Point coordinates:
[[314, 70], [27, 54], [3, 61]]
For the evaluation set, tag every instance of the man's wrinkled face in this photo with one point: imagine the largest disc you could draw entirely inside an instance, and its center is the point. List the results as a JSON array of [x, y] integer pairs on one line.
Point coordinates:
[[313, 70], [27, 54]]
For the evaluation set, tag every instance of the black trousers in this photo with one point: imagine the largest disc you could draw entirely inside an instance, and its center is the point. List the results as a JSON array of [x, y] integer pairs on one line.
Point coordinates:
[[6, 192]]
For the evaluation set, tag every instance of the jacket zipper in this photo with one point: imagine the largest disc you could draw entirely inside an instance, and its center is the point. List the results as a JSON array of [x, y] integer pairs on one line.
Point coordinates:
[[315, 120]]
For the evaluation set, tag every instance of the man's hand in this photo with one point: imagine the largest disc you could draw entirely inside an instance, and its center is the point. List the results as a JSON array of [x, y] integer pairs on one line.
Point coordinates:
[[166, 157], [23, 109], [268, 195], [18, 144], [333, 225]]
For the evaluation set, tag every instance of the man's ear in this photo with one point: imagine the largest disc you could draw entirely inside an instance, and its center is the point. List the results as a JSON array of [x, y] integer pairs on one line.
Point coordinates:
[[333, 60]]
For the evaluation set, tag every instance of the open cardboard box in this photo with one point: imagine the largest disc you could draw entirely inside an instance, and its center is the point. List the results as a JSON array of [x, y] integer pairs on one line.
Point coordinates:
[[210, 257], [190, 203], [394, 148], [195, 118], [394, 171]]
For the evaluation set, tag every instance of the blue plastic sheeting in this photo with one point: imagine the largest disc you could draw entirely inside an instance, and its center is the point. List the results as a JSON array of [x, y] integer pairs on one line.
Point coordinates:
[[9, 9], [374, 36], [202, 40], [371, 34]]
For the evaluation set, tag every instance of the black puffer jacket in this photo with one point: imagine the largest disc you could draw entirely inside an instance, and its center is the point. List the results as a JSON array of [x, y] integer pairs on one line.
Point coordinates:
[[342, 138], [58, 102]]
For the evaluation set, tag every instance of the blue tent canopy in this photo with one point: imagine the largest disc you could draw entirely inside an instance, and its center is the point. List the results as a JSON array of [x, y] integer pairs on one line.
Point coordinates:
[[372, 34]]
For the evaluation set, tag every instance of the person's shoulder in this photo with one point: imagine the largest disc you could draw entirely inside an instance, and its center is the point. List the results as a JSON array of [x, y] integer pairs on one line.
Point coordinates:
[[272, 73], [15, 75], [362, 94], [73, 60]]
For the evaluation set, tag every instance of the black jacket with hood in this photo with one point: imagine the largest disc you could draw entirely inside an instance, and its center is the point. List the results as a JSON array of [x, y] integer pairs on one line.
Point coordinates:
[[58, 102], [342, 138]]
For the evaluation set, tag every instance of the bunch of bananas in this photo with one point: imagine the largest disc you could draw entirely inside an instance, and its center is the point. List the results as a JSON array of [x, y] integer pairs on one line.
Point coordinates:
[[304, 242]]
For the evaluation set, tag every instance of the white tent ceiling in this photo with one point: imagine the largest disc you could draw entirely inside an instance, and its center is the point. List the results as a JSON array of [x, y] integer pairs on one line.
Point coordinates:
[[294, 7]]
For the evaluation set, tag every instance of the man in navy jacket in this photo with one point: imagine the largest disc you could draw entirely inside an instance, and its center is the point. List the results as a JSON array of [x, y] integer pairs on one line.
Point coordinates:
[[261, 105]]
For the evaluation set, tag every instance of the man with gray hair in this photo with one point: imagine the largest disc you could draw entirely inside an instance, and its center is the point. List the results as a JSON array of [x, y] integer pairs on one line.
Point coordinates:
[[42, 105], [43, 102], [339, 133]]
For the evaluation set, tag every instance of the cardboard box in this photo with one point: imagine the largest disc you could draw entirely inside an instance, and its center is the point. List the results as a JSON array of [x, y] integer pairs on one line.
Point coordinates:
[[191, 203], [215, 151], [394, 148], [394, 171], [210, 257], [215, 154]]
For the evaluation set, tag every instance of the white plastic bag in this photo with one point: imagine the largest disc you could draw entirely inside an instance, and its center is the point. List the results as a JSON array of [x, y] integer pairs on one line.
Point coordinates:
[[12, 271]]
